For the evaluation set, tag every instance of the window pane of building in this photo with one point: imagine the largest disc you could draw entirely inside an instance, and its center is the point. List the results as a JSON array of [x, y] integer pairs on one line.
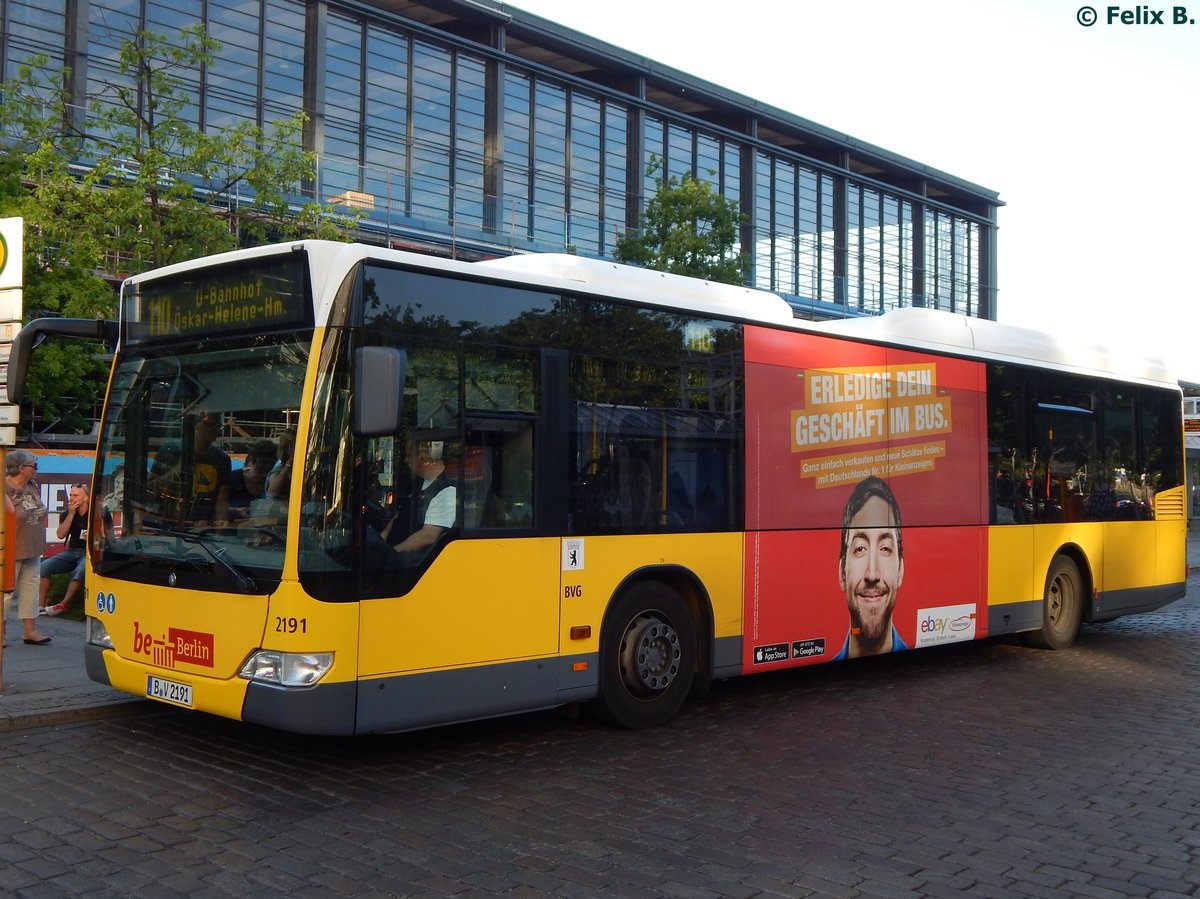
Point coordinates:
[[549, 166], [469, 140], [951, 262], [679, 152], [340, 170], [232, 78], [763, 251], [431, 132], [385, 140], [863, 249], [283, 60], [809, 238], [615, 187], [32, 29], [654, 146], [894, 268], [784, 244], [586, 174], [708, 158], [516, 213], [731, 180], [109, 23]]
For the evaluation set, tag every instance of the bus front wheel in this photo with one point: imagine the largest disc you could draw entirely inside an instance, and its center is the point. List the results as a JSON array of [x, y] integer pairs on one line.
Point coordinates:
[[1062, 605], [647, 657]]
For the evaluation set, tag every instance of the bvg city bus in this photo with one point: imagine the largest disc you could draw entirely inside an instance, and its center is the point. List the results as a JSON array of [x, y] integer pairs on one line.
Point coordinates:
[[473, 489]]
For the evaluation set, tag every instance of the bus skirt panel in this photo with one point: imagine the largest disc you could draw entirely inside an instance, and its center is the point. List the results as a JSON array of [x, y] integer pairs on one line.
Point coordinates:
[[411, 701], [1015, 617], [1114, 603]]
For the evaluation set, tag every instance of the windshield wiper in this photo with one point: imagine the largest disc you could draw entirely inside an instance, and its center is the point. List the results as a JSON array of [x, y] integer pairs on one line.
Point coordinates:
[[217, 555]]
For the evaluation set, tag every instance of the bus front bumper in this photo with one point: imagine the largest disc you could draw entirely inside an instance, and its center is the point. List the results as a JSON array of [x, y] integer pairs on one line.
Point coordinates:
[[321, 709]]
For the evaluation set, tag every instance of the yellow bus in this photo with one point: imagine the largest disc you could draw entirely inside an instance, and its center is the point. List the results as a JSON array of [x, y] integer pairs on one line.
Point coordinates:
[[343, 489]]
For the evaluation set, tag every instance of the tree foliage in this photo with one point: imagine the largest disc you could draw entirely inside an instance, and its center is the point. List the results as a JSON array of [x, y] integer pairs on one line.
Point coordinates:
[[130, 182], [687, 229]]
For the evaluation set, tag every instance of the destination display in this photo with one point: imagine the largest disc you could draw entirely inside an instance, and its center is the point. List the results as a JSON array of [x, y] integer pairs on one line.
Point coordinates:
[[271, 294]]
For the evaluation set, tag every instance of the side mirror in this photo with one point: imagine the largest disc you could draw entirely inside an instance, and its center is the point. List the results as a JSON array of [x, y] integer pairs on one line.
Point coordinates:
[[379, 373], [30, 336]]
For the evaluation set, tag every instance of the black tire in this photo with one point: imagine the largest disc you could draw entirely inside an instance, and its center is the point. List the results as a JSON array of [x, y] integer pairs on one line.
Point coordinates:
[[1062, 605], [647, 657]]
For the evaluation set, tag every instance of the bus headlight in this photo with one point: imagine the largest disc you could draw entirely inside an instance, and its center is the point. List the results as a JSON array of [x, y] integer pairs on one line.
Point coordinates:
[[97, 633], [288, 669]]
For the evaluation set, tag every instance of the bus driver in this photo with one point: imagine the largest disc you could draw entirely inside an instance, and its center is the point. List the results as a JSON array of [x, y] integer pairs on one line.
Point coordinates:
[[434, 505]]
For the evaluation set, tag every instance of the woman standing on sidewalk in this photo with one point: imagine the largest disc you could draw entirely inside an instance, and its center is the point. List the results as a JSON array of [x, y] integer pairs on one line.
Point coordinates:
[[23, 500]]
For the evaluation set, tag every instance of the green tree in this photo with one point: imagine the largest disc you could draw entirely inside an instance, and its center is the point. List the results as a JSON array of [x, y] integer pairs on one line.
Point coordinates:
[[688, 229], [64, 252], [130, 182]]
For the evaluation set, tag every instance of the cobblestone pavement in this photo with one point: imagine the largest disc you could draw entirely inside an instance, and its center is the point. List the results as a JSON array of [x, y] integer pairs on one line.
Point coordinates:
[[988, 769]]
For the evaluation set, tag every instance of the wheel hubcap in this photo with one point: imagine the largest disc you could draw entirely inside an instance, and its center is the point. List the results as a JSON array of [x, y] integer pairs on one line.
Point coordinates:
[[1059, 595], [650, 655]]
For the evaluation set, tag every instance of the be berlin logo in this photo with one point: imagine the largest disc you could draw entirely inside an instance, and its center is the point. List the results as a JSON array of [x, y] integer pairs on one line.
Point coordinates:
[[1138, 15]]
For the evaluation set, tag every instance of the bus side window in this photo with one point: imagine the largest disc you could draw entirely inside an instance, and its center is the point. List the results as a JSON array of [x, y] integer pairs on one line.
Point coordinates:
[[496, 480]]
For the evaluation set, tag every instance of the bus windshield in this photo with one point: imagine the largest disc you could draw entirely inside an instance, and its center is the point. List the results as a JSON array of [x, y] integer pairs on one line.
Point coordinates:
[[193, 460], [189, 447]]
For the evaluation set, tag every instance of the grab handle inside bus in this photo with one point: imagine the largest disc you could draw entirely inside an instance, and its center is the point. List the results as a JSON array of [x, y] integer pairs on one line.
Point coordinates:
[[379, 391]]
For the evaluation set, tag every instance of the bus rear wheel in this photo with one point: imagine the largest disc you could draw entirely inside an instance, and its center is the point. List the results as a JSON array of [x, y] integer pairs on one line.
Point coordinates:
[[647, 657], [1062, 605]]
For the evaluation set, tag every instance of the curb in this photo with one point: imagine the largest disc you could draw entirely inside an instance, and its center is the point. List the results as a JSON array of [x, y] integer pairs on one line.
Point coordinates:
[[118, 709]]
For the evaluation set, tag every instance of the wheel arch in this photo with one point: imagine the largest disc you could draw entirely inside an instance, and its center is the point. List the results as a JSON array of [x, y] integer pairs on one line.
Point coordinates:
[[1076, 554], [688, 585]]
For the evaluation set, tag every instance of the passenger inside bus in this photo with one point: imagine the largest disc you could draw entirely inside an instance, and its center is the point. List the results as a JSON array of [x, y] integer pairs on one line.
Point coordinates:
[[192, 486], [279, 480], [248, 484]]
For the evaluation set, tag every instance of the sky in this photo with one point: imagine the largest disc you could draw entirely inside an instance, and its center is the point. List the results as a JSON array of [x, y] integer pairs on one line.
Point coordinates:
[[1089, 134]]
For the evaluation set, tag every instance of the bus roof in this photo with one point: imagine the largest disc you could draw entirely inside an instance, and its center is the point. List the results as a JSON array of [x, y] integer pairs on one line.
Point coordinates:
[[962, 335], [928, 329], [638, 284], [920, 328]]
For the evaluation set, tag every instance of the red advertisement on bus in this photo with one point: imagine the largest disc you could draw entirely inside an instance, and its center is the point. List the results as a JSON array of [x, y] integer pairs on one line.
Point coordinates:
[[866, 495]]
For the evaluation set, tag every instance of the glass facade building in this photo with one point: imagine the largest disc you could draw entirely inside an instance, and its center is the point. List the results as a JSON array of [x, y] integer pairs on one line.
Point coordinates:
[[473, 129]]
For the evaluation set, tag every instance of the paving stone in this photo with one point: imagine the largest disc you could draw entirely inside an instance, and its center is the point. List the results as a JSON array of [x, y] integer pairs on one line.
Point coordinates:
[[989, 770]]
